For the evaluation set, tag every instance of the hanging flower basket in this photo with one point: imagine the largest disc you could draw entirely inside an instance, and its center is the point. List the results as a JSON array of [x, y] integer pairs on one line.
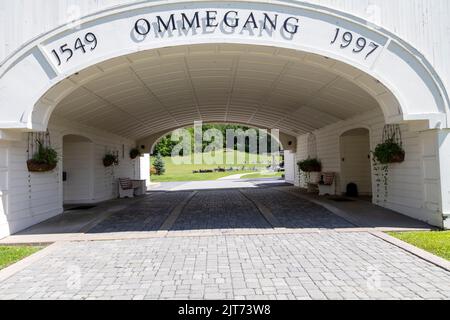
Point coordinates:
[[44, 160], [34, 166], [398, 158], [110, 160], [310, 165], [134, 153], [389, 152]]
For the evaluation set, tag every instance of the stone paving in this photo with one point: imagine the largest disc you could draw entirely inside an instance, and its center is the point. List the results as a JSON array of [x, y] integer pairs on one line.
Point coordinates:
[[146, 215], [293, 212], [321, 263], [210, 210], [328, 265]]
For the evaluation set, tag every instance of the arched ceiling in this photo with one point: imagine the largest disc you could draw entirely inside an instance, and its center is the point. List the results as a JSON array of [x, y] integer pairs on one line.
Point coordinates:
[[145, 93]]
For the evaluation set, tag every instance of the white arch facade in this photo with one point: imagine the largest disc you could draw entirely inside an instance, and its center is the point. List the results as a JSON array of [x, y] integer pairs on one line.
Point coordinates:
[[34, 79], [44, 62]]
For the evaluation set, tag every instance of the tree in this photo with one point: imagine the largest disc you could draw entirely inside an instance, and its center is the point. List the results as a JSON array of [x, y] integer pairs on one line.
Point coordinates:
[[159, 165], [165, 146]]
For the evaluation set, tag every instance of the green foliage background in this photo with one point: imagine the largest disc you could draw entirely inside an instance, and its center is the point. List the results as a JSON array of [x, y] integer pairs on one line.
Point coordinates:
[[166, 145]]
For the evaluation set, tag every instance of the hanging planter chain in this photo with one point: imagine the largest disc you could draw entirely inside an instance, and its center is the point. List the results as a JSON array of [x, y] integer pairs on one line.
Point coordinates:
[[33, 138], [36, 140], [391, 143], [393, 132]]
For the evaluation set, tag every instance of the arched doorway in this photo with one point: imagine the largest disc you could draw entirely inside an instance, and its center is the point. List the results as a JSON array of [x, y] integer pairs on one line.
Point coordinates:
[[316, 68], [355, 160], [78, 170]]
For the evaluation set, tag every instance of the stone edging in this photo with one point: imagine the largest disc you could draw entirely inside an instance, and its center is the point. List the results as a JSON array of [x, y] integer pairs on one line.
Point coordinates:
[[28, 261], [422, 254]]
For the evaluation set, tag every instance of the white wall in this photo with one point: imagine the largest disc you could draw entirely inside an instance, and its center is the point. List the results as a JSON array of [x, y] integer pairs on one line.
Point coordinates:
[[406, 192], [423, 23], [30, 198]]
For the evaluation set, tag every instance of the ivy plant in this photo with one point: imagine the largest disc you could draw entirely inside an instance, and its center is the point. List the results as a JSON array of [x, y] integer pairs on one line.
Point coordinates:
[[385, 153]]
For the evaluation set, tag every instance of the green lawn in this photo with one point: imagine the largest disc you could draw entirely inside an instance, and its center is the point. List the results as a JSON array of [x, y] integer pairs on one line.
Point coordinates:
[[10, 255], [260, 175], [436, 242], [184, 172]]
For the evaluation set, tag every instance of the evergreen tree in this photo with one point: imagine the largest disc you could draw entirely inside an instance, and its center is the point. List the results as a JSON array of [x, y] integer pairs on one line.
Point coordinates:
[[159, 165]]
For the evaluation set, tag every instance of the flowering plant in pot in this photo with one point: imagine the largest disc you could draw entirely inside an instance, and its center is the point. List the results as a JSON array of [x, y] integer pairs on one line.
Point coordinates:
[[134, 153], [44, 160], [306, 167], [109, 160], [389, 152], [310, 165], [385, 153]]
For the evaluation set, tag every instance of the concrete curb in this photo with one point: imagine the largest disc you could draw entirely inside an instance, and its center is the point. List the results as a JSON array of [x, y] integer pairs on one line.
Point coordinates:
[[28, 261], [174, 234], [424, 255]]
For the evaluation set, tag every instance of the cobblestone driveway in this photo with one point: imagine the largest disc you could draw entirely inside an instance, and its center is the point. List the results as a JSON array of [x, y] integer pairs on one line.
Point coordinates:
[[146, 215], [219, 210], [324, 264], [293, 212]]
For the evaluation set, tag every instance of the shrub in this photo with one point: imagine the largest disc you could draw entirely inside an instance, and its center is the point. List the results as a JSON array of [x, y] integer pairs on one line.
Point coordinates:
[[159, 165]]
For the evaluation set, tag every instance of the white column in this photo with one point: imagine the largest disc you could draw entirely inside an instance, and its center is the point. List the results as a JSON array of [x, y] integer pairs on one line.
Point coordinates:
[[144, 166], [444, 168], [4, 153], [289, 166], [436, 175]]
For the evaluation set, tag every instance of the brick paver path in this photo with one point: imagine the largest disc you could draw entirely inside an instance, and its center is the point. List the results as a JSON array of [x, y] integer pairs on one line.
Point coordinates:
[[146, 215], [210, 210], [293, 212], [325, 264]]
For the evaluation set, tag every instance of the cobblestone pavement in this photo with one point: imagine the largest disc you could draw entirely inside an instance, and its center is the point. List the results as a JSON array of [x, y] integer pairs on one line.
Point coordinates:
[[293, 212], [319, 264], [327, 265], [146, 215], [219, 210]]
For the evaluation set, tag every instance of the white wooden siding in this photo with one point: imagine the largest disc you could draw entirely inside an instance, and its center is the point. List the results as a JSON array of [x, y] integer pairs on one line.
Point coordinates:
[[35, 197], [406, 191]]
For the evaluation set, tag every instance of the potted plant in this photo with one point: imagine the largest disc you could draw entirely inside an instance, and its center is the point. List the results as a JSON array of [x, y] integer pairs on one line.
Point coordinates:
[[134, 153], [44, 160], [109, 160], [389, 152], [310, 165]]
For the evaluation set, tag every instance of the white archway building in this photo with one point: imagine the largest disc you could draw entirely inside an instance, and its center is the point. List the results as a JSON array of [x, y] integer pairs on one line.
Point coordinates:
[[123, 74]]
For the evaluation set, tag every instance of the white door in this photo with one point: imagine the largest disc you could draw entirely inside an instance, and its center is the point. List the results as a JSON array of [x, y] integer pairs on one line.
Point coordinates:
[[355, 161]]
